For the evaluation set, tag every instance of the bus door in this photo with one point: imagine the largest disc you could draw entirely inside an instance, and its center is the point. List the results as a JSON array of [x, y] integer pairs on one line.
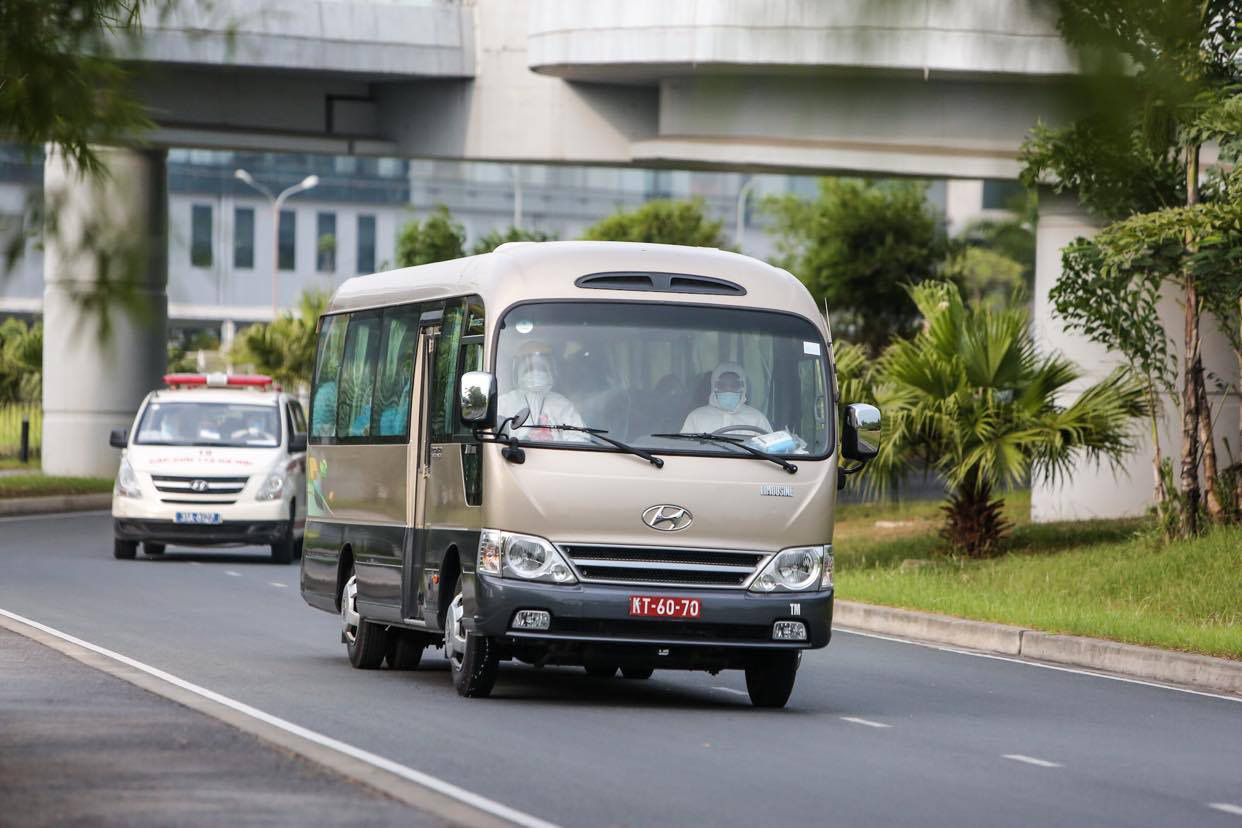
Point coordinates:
[[417, 576]]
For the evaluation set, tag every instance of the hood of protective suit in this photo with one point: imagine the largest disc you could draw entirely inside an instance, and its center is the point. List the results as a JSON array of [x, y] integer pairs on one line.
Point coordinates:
[[725, 368]]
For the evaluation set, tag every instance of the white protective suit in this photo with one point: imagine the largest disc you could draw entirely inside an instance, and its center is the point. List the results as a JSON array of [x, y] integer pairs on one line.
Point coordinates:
[[533, 374], [714, 416]]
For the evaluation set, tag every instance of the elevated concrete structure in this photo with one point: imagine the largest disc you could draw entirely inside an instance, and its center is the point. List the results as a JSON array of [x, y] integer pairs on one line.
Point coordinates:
[[936, 88]]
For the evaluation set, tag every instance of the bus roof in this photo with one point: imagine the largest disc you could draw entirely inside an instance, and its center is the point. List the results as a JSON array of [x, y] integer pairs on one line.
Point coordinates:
[[550, 270]]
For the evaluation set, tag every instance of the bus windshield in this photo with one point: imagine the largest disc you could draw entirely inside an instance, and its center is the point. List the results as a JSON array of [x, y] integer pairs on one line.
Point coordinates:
[[209, 424], [642, 369]]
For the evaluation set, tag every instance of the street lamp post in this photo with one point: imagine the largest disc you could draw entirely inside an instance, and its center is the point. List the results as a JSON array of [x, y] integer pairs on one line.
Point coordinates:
[[277, 201]]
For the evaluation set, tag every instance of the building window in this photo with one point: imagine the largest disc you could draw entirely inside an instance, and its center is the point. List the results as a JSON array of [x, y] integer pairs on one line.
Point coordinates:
[[288, 240], [243, 238], [999, 194], [200, 235], [325, 243], [366, 244]]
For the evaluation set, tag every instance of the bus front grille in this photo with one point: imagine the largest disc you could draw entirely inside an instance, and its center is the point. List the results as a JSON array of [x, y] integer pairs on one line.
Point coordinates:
[[662, 566]]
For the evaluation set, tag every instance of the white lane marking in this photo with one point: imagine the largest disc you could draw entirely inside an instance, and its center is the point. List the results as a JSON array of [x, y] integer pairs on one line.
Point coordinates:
[[61, 515], [731, 690], [231, 572], [278, 584], [947, 649], [470, 798], [1030, 760], [867, 722], [1227, 807]]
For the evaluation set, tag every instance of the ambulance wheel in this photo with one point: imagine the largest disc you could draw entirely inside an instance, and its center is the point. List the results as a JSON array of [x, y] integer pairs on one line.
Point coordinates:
[[365, 643], [637, 673], [282, 551], [770, 678], [472, 658], [124, 550], [149, 548]]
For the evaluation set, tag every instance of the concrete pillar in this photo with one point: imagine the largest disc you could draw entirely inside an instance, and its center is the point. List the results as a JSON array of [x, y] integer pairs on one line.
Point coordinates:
[[1098, 491], [93, 384]]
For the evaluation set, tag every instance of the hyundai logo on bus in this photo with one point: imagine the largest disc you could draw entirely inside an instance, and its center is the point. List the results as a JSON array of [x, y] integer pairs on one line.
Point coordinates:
[[667, 518]]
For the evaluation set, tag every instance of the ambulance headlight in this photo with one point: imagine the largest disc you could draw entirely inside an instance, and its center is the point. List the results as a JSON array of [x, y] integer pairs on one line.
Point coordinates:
[[127, 480], [798, 569], [524, 557], [272, 488]]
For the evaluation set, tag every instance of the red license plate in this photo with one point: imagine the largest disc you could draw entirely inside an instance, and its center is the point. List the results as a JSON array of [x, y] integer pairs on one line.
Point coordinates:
[[662, 606]]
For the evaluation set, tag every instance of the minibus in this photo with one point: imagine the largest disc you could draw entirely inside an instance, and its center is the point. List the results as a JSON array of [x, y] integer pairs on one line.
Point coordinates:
[[617, 456]]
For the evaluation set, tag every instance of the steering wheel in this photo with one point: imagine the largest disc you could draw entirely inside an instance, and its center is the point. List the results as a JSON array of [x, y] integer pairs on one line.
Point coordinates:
[[728, 428]]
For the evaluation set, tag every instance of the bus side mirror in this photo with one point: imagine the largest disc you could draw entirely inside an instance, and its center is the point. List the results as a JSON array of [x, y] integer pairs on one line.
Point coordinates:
[[297, 442], [477, 399], [119, 438], [859, 417]]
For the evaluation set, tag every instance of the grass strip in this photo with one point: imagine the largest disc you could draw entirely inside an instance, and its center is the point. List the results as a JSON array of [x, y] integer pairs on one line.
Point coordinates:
[[39, 485]]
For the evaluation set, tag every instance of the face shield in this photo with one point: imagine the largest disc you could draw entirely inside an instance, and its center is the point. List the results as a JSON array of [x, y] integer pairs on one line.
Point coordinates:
[[532, 371]]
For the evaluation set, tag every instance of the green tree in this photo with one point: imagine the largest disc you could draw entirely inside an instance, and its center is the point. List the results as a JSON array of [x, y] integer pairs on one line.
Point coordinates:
[[661, 221], [1163, 79], [984, 275], [21, 361], [284, 349], [970, 397], [1012, 235], [490, 241], [856, 247], [437, 238]]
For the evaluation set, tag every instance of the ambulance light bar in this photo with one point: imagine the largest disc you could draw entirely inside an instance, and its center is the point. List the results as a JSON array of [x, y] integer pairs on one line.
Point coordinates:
[[219, 380]]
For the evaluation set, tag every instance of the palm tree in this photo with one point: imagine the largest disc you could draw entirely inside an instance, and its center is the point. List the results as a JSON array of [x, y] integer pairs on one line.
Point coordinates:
[[970, 397], [284, 348]]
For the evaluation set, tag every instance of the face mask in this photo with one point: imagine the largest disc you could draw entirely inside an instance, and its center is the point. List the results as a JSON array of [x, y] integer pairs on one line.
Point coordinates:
[[729, 400], [538, 382]]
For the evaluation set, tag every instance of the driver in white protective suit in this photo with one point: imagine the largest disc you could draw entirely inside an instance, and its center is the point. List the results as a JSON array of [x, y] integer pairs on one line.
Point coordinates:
[[533, 377], [726, 404]]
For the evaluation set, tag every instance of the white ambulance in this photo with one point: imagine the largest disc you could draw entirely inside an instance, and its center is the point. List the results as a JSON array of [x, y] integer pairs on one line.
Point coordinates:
[[212, 459]]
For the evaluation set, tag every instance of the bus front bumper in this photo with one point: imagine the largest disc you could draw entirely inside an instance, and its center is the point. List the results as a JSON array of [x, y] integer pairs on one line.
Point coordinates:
[[599, 614]]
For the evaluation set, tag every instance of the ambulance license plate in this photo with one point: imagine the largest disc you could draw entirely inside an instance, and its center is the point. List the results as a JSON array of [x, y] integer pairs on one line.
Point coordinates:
[[663, 606], [197, 517]]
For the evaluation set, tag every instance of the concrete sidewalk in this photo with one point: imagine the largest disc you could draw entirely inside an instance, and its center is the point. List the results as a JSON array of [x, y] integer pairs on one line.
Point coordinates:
[[79, 747]]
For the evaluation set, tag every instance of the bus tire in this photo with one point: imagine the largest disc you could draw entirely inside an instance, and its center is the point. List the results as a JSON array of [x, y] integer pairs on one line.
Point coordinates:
[[405, 649], [149, 548], [637, 673], [366, 643], [472, 658], [770, 678], [124, 550]]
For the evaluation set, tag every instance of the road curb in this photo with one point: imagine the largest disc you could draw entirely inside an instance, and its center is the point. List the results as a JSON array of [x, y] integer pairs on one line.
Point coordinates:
[[17, 506], [1151, 663]]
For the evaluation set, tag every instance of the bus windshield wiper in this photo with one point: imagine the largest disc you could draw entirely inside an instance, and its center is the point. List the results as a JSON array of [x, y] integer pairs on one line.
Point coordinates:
[[600, 433], [733, 441]]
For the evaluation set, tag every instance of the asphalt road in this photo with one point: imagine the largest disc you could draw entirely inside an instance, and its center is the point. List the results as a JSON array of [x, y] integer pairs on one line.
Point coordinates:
[[877, 732]]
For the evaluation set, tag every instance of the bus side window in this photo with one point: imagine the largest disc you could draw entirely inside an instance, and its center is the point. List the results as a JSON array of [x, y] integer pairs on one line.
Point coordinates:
[[396, 373], [327, 369], [357, 377]]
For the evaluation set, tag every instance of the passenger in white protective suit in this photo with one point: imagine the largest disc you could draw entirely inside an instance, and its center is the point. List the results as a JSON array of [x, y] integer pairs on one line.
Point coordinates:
[[726, 405], [533, 377]]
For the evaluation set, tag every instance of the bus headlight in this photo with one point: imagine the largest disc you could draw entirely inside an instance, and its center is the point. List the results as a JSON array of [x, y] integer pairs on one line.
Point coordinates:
[[127, 480], [272, 488], [798, 569], [524, 557]]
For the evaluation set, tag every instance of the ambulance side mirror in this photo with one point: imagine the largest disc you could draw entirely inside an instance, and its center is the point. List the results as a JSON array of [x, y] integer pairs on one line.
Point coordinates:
[[119, 438], [297, 442], [477, 399]]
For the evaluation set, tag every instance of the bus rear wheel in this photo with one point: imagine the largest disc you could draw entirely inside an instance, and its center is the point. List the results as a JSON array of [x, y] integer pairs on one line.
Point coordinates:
[[405, 649], [365, 643], [770, 678], [472, 658]]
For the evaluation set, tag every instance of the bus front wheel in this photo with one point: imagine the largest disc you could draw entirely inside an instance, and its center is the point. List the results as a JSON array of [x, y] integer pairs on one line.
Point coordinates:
[[472, 658], [770, 678]]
